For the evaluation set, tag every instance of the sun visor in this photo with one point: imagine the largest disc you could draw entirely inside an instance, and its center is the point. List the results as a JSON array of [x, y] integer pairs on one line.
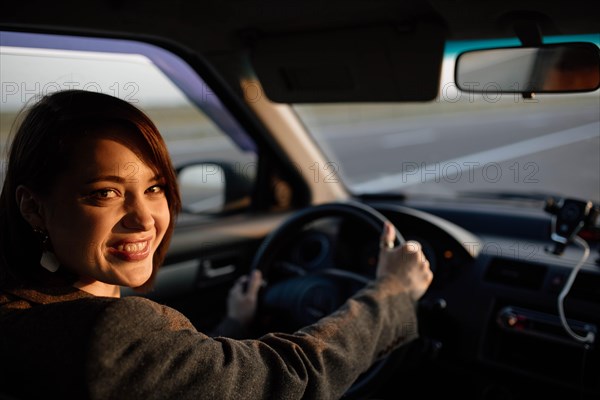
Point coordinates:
[[369, 64]]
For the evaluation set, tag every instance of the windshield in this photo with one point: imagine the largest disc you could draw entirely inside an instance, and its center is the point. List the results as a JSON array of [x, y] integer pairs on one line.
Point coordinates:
[[493, 144]]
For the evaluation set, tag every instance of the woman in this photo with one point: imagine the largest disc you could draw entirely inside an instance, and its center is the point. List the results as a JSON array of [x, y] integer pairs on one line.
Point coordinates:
[[88, 205]]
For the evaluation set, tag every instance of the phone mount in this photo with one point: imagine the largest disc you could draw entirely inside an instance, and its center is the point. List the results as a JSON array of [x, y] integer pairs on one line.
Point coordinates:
[[569, 217]]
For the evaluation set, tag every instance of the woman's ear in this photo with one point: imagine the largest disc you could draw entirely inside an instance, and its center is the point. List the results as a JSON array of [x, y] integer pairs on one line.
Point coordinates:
[[30, 206]]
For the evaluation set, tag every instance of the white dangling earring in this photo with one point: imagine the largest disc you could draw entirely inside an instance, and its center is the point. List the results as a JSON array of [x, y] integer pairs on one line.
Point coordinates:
[[48, 260]]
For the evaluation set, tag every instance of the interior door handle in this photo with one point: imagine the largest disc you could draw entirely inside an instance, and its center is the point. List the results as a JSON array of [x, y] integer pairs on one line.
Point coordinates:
[[209, 271]]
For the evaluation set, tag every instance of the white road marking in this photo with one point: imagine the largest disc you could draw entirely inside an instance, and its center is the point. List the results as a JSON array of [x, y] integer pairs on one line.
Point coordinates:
[[499, 154]]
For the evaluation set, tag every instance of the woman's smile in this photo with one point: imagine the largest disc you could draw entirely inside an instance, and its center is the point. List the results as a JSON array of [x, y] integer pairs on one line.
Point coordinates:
[[130, 250]]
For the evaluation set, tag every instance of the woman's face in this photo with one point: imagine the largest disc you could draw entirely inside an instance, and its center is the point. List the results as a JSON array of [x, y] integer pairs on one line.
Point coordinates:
[[107, 214]]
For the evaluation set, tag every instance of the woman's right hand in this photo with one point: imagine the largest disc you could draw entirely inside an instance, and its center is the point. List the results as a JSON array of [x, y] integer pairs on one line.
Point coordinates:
[[243, 298], [406, 263]]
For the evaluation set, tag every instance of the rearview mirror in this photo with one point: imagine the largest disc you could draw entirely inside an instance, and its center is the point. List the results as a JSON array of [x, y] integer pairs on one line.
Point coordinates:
[[565, 67]]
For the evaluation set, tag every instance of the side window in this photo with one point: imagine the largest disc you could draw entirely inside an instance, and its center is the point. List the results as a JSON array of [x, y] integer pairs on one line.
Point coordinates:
[[215, 157]]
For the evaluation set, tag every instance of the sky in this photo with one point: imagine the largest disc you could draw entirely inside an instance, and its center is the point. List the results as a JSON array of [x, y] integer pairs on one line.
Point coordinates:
[[132, 77]]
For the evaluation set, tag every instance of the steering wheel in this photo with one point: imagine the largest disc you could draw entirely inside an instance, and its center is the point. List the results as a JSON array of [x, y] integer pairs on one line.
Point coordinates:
[[292, 301]]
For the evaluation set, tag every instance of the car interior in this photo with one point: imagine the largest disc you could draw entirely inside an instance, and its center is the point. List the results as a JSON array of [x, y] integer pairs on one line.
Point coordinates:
[[298, 128]]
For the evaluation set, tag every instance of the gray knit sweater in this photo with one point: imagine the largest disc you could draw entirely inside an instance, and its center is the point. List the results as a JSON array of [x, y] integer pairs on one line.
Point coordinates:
[[64, 343]]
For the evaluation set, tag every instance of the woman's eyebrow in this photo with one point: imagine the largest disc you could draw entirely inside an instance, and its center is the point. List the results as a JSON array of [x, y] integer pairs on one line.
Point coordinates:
[[121, 179], [110, 178]]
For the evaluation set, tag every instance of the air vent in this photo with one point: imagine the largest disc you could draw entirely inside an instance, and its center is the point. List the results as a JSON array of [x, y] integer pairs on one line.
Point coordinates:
[[516, 273]]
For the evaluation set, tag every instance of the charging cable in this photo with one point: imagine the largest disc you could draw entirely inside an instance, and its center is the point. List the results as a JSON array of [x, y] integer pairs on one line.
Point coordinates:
[[589, 338]]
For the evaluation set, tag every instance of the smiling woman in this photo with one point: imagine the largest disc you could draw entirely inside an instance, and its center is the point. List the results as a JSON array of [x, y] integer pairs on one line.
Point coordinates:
[[82, 160], [108, 188], [88, 205], [273, 111]]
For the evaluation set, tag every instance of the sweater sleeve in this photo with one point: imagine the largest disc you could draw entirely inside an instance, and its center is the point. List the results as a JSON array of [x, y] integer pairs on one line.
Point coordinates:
[[143, 350]]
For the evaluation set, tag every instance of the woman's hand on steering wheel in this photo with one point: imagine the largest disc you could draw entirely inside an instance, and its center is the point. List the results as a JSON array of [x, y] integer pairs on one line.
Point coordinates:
[[243, 297], [406, 263]]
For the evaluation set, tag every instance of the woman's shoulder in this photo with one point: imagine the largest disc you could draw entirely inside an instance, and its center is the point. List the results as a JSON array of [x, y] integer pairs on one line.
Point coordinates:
[[131, 310], [45, 332], [47, 308], [80, 324], [140, 313]]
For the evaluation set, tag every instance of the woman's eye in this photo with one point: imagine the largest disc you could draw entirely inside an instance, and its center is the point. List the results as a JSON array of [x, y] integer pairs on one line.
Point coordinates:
[[155, 189], [104, 194]]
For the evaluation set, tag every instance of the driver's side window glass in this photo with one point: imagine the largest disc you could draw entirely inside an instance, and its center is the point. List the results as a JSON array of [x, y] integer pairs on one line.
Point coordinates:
[[213, 154]]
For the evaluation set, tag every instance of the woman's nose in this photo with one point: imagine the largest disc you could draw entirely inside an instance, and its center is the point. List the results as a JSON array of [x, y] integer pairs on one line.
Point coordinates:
[[138, 216]]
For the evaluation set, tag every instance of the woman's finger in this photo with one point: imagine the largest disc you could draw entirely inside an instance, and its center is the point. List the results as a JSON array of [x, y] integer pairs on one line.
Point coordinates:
[[388, 236], [254, 282]]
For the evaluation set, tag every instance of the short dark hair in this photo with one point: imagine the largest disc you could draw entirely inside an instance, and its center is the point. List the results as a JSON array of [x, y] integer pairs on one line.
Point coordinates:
[[42, 146]]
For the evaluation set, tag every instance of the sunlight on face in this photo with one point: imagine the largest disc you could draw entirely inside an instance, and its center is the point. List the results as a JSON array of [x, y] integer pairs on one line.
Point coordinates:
[[107, 215]]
